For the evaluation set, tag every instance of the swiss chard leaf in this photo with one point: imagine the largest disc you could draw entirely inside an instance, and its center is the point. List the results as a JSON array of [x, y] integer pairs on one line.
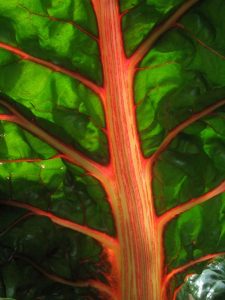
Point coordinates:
[[71, 82]]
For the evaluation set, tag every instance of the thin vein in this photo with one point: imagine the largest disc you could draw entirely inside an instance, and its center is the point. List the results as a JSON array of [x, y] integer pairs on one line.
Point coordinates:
[[176, 211], [52, 18], [174, 132], [94, 168], [87, 283], [56, 68], [184, 267], [181, 26], [159, 31], [101, 237]]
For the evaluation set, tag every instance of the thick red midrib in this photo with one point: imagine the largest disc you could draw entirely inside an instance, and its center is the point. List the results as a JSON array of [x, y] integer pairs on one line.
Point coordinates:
[[140, 264]]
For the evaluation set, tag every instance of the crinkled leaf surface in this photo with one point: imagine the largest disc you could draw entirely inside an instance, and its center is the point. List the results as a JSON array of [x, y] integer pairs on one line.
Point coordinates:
[[207, 285], [51, 74]]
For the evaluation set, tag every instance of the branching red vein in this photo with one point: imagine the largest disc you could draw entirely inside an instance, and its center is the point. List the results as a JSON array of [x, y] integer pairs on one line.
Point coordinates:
[[181, 269], [87, 283], [101, 237], [159, 31], [174, 132], [91, 85], [169, 215], [92, 167]]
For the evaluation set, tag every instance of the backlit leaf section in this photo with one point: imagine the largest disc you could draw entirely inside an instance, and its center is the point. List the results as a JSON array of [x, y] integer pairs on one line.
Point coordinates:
[[179, 94], [50, 71]]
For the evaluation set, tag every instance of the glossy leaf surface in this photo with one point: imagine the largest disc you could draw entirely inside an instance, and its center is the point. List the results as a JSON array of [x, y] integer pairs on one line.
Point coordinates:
[[207, 285]]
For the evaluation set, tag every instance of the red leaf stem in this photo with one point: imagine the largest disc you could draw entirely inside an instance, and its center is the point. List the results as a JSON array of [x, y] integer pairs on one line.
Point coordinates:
[[87, 283], [172, 213], [101, 237], [175, 131], [92, 167], [159, 31], [56, 68], [133, 207]]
